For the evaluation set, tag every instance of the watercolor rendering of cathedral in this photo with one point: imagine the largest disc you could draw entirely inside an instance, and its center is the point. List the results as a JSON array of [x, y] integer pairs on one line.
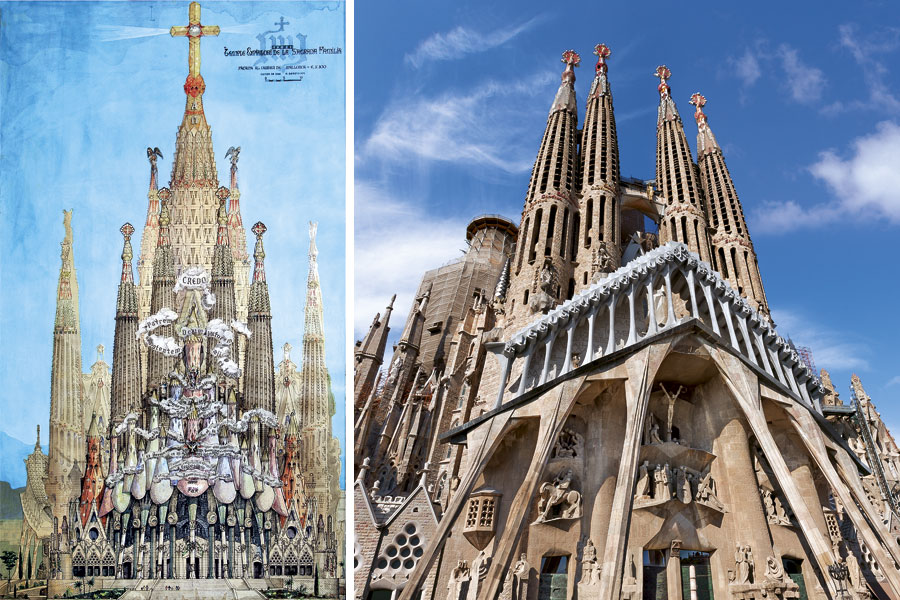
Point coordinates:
[[198, 463], [595, 403]]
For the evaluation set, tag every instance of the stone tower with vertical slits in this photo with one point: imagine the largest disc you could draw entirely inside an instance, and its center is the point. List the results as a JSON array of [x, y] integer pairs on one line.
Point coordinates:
[[732, 247], [543, 265], [599, 249], [66, 418], [685, 218]]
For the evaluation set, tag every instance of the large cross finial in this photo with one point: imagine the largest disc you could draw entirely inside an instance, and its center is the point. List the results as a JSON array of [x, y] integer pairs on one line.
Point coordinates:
[[663, 72], [194, 31]]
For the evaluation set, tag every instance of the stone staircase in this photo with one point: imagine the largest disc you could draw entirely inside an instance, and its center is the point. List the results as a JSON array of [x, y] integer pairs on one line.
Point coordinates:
[[193, 589]]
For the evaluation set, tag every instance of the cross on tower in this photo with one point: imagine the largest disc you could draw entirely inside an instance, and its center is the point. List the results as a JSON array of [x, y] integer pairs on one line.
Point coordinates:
[[194, 31], [699, 100], [663, 72], [571, 58], [602, 51]]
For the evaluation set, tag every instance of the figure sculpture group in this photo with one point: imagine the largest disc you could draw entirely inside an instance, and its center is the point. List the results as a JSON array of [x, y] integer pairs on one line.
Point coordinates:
[[683, 483]]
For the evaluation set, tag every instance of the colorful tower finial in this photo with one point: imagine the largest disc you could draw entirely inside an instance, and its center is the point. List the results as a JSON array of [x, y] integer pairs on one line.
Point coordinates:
[[127, 254], [664, 74], [699, 101], [259, 254], [572, 60], [602, 52]]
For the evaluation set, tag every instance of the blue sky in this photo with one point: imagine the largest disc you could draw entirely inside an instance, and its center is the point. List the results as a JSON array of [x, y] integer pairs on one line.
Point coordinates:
[[86, 88], [452, 102]]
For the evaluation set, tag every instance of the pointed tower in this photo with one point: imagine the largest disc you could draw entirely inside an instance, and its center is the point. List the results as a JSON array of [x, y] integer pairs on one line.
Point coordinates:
[[126, 377], [66, 420], [238, 238], [544, 265], [599, 205], [95, 385], [369, 354], [735, 257], [316, 400], [259, 369], [406, 352], [685, 219], [149, 237], [92, 482], [194, 178], [162, 294], [223, 266]]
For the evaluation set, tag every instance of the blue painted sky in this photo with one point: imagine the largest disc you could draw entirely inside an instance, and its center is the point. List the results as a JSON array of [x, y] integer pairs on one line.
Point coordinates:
[[86, 87], [805, 101]]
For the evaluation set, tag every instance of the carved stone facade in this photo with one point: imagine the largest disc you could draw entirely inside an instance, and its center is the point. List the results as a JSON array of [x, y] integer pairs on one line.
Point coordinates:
[[630, 415]]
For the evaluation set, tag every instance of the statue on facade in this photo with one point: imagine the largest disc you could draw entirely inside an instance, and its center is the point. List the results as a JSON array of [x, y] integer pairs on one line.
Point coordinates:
[[515, 585], [478, 573], [548, 285], [558, 497], [661, 479], [774, 570], [642, 489], [706, 492], [743, 562], [458, 586], [590, 568], [566, 444], [654, 431]]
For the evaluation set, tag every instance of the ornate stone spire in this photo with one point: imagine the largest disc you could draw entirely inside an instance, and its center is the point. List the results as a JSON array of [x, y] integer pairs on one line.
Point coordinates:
[[66, 421], [599, 204], [162, 294], [316, 400], [92, 482], [685, 218], [259, 370], [126, 372], [238, 241], [369, 354], [732, 247], [223, 266], [549, 217]]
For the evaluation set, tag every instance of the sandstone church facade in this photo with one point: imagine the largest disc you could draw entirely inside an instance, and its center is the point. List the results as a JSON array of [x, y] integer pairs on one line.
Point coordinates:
[[581, 408]]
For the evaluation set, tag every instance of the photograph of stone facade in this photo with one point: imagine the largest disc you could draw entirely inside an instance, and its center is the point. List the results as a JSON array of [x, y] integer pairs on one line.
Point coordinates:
[[596, 403], [194, 463]]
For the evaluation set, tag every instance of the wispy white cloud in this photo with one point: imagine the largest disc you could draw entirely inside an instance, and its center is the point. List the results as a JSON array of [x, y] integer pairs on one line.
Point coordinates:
[[460, 41], [477, 127], [832, 349], [856, 183], [804, 81], [746, 67], [895, 380], [396, 241], [859, 180], [866, 51]]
